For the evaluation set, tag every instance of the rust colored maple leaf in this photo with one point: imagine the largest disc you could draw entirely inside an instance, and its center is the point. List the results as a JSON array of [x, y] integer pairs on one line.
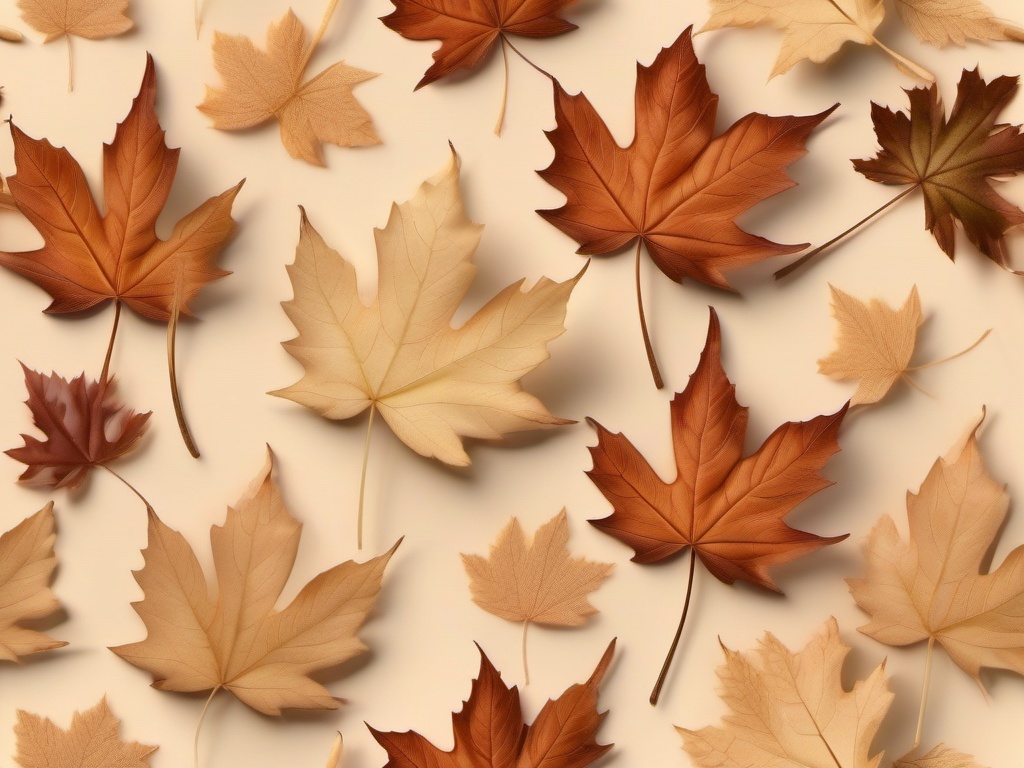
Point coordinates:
[[85, 425], [727, 509], [489, 730], [676, 188]]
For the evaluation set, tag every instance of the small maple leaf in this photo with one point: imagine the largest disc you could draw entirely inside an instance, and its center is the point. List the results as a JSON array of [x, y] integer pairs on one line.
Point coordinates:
[[265, 85], [93, 741], [929, 587], [27, 563], [939, 757], [727, 509], [489, 730], [940, 22], [85, 425], [239, 641], [536, 581], [676, 188]]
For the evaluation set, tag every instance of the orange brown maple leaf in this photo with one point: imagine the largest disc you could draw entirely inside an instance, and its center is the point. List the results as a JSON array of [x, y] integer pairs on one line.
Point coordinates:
[[489, 730], [677, 188], [727, 509]]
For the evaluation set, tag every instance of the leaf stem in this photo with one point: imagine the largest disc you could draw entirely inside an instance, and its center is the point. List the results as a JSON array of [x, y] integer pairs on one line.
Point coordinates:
[[332, 6], [110, 344], [172, 370], [71, 65], [961, 353], [199, 726], [651, 359], [504, 88], [679, 631], [132, 488], [522, 56], [811, 254], [197, 12], [924, 692], [526, 667], [362, 477]]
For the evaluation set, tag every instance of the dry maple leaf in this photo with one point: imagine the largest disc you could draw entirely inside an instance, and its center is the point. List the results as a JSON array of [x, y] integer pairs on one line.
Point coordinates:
[[239, 641], [27, 563], [85, 425], [727, 509], [941, 22], [489, 730], [432, 383], [790, 709], [7, 201], [875, 343], [676, 188], [265, 85], [536, 581], [93, 741]]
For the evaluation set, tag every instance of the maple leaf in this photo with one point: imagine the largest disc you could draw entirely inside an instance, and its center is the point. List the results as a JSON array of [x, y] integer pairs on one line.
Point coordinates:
[[676, 188], [929, 587], [536, 581], [239, 641], [27, 563], [92, 741], [489, 730], [265, 85], [91, 19], [941, 22], [85, 425], [727, 509], [791, 709], [875, 343]]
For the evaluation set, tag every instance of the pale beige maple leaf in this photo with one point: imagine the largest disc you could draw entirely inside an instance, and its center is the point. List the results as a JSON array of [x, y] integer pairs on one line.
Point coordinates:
[[92, 741], [813, 29], [929, 586], [941, 22], [27, 563], [261, 85], [790, 710], [7, 201], [940, 757], [537, 581]]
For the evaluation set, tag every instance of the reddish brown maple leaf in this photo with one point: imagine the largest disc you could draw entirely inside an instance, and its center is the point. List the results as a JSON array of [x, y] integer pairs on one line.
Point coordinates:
[[85, 425], [469, 29], [489, 730], [728, 509]]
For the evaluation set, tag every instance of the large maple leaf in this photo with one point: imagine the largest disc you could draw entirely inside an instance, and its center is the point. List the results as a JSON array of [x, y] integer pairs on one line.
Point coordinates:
[[677, 188], [727, 509], [489, 730]]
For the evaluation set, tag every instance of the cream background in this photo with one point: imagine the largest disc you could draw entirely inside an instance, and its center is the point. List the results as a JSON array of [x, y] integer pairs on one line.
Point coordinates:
[[422, 656]]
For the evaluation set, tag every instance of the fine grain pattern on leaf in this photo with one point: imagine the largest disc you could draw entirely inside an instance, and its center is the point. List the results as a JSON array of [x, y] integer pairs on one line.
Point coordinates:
[[86, 426], [940, 757], [238, 640], [261, 85], [929, 586], [93, 741], [941, 22], [489, 730], [27, 563]]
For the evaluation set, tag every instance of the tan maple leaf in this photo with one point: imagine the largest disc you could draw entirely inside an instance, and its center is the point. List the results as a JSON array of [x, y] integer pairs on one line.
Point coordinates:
[[239, 641], [91, 19], [929, 586], [7, 201], [261, 85], [93, 741], [536, 581], [940, 757], [27, 563], [941, 22]]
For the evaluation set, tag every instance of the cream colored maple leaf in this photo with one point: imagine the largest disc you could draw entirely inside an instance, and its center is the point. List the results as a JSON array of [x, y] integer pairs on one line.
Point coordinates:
[[814, 29], [261, 85], [91, 742], [27, 563], [789, 710], [940, 757], [432, 383], [536, 581], [941, 22], [929, 587]]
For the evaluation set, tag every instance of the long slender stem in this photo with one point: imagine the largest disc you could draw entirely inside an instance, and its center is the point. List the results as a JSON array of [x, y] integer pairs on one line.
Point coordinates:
[[905, 64], [811, 254], [504, 89], [679, 631], [916, 386], [197, 12], [362, 477], [172, 370], [924, 692], [655, 372], [132, 488], [961, 353], [332, 6], [526, 667], [199, 726], [522, 56], [71, 65], [110, 344]]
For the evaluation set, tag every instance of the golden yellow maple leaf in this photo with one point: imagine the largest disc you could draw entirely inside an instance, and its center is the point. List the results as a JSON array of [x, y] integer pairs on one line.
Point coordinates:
[[92, 741]]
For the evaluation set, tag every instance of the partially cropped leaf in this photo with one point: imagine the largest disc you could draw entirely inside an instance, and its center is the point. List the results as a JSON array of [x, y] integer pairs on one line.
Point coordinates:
[[940, 757], [941, 22]]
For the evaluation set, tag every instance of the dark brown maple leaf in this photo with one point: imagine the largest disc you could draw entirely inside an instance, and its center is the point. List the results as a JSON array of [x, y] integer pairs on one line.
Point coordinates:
[[489, 730], [727, 509], [676, 188], [85, 424]]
